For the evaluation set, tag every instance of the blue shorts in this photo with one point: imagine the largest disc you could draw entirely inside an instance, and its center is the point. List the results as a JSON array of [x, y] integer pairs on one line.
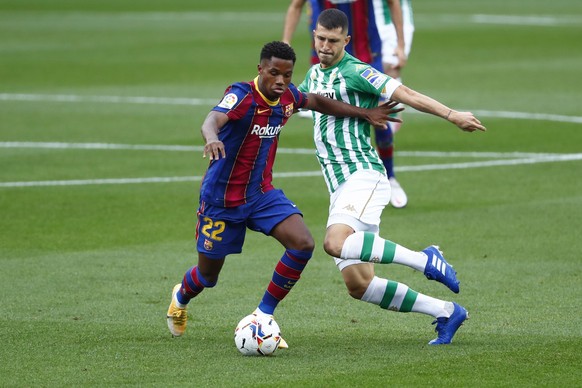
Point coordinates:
[[221, 231]]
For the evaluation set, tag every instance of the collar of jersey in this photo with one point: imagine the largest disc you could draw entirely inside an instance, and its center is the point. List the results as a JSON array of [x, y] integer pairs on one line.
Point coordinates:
[[269, 102]]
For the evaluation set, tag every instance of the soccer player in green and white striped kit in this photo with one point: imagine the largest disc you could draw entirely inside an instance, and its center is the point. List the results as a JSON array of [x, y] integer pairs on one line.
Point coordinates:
[[358, 185]]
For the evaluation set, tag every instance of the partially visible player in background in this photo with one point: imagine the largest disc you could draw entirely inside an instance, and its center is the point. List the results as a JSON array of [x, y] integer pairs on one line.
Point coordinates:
[[367, 45], [241, 135], [396, 28]]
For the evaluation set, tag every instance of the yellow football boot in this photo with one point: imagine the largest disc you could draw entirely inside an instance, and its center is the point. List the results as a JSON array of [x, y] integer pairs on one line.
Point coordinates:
[[177, 317]]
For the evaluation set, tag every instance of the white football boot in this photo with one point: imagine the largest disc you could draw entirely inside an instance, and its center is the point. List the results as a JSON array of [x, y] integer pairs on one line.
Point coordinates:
[[398, 198]]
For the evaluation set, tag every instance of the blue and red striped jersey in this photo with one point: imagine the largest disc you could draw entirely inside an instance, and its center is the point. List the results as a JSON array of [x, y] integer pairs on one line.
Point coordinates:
[[366, 44], [250, 140]]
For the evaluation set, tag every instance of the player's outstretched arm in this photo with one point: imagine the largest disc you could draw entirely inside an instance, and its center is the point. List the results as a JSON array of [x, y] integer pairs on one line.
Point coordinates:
[[378, 116], [464, 120], [214, 148]]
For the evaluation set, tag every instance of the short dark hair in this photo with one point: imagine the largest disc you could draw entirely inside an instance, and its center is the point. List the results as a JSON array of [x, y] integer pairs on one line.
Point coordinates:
[[279, 50], [333, 18]]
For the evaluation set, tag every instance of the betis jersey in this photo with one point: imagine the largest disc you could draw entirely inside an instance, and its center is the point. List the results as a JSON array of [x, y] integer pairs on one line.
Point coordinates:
[[382, 12], [250, 140], [343, 144]]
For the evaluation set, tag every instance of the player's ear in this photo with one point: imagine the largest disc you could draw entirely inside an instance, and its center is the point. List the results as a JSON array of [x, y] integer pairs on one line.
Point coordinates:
[[259, 68], [347, 40]]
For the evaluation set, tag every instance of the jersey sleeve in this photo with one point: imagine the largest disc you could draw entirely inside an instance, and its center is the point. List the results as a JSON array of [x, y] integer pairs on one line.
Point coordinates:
[[299, 96], [235, 101], [375, 82]]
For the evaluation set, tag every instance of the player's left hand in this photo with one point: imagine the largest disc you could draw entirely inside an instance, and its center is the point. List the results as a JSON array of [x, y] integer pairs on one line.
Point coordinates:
[[380, 115]]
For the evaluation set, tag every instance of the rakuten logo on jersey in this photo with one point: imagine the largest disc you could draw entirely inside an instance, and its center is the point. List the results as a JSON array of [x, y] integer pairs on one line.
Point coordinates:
[[267, 131]]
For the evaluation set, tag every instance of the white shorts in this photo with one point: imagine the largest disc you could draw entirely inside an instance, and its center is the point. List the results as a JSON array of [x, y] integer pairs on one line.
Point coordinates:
[[389, 41], [359, 203]]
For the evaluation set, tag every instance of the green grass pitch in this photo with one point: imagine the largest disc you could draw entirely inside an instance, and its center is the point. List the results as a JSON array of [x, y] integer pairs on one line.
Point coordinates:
[[100, 110]]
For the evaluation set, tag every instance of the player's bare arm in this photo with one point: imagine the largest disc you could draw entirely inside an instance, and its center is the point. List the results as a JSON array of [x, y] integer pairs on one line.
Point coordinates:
[[213, 148], [292, 19], [464, 120], [396, 15], [378, 116]]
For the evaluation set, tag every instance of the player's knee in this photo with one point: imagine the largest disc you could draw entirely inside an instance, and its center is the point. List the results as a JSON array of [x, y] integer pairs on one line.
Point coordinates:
[[307, 244], [303, 243], [208, 279], [356, 290], [333, 246]]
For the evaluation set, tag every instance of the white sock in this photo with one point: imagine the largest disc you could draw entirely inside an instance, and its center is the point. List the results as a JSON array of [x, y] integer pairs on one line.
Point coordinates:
[[177, 302], [432, 306], [258, 311], [412, 259], [370, 247], [375, 291], [399, 297]]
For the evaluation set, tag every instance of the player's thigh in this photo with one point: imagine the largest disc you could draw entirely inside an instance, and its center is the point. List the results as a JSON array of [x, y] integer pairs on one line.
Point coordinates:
[[217, 236], [360, 200], [390, 42], [408, 30], [270, 210], [292, 233]]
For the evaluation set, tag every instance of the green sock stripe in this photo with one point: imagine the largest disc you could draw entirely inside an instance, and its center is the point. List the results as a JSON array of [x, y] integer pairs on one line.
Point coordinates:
[[388, 294], [389, 251], [408, 301], [367, 247]]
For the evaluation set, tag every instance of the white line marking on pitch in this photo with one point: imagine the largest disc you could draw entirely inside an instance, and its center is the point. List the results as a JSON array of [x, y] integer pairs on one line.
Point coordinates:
[[544, 158], [305, 151], [211, 102]]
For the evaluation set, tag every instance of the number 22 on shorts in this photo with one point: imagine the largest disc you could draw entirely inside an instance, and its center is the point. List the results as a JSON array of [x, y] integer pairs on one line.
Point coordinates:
[[213, 229]]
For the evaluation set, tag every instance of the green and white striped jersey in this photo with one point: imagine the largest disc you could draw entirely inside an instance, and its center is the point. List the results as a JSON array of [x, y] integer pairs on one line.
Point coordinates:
[[343, 144], [382, 12]]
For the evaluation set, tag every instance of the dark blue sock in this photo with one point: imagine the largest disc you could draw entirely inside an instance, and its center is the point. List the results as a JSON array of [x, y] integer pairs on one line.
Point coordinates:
[[385, 147], [287, 273]]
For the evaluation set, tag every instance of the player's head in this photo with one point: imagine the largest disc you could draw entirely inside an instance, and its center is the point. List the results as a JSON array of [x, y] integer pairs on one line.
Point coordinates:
[[330, 36], [275, 69]]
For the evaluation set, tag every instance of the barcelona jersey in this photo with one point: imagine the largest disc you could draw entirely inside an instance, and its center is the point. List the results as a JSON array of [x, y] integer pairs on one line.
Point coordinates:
[[366, 44], [250, 140]]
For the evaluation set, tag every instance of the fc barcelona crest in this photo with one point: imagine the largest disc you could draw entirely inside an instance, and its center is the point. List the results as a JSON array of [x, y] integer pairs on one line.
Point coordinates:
[[208, 245], [288, 110]]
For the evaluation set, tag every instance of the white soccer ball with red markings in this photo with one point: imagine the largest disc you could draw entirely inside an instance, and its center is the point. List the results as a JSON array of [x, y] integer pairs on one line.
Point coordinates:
[[257, 335]]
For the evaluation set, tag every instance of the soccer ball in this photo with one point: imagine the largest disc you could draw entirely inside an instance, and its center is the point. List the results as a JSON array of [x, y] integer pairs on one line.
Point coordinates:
[[257, 335]]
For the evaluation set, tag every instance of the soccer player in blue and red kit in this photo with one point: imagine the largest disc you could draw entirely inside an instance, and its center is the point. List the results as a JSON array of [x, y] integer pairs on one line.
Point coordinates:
[[241, 136]]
